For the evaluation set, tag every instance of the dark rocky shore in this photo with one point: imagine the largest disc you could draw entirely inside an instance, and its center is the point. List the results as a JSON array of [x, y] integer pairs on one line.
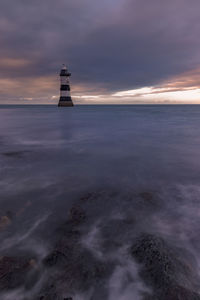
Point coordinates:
[[167, 271], [162, 269]]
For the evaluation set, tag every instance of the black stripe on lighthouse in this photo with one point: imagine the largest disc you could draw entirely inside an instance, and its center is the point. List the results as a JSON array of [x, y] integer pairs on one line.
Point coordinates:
[[64, 87], [68, 98]]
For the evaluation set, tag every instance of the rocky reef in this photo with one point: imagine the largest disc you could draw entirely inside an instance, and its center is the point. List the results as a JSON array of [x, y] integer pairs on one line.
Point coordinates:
[[14, 271], [166, 270], [163, 269], [73, 267]]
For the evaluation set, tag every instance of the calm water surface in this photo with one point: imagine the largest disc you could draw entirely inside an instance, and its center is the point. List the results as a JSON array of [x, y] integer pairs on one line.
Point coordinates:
[[138, 163]]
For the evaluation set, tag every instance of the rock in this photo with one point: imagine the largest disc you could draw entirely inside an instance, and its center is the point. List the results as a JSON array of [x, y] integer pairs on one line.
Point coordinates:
[[15, 154], [53, 297], [54, 258], [50, 293], [149, 199], [158, 263], [147, 196], [22, 209], [181, 293], [10, 214], [13, 271], [4, 222], [32, 262], [77, 215], [174, 293], [65, 247], [162, 270], [74, 268]]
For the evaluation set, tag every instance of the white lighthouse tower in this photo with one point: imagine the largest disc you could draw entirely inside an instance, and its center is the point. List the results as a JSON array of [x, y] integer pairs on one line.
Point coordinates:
[[65, 96]]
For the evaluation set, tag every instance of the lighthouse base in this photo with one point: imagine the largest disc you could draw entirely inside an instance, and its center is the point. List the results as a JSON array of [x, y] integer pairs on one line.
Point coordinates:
[[65, 103]]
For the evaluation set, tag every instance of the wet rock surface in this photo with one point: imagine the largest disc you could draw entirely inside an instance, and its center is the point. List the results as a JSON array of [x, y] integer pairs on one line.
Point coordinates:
[[86, 254], [77, 215], [163, 270], [14, 271], [4, 222], [16, 154], [74, 267]]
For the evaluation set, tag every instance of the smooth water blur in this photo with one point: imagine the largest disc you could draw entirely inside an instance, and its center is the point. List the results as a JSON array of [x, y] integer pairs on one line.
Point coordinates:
[[51, 156], [110, 143]]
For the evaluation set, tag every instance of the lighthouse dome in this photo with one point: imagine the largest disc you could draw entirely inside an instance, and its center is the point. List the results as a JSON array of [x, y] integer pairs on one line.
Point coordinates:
[[64, 67], [64, 71]]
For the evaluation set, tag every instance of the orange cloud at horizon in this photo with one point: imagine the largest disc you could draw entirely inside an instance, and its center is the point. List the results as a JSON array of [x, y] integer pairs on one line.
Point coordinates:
[[182, 88]]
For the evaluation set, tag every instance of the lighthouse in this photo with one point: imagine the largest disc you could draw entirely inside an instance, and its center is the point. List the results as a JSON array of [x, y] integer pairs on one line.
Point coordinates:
[[65, 96]]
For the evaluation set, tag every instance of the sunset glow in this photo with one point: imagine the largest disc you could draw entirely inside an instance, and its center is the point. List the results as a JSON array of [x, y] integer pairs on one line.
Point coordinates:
[[117, 51]]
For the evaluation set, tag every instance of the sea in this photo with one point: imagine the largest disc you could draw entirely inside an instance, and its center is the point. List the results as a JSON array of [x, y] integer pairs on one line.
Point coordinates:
[[83, 190]]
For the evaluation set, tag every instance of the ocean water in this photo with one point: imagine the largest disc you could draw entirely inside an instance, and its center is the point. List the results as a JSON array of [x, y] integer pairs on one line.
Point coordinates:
[[127, 170]]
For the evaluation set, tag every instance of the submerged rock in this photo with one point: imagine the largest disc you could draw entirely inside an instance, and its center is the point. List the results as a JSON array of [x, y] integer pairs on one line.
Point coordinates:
[[13, 271], [15, 154], [149, 200], [10, 214], [4, 222], [148, 196], [162, 270], [74, 268], [77, 215]]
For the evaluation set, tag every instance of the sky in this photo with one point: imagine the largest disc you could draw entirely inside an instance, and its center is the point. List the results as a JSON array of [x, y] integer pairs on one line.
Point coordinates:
[[118, 51]]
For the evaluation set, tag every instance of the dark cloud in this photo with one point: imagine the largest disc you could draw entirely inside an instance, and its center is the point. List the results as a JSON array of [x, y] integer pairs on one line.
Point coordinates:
[[113, 44]]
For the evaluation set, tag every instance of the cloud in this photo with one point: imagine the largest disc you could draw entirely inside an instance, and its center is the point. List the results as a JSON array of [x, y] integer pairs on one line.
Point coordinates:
[[109, 46]]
